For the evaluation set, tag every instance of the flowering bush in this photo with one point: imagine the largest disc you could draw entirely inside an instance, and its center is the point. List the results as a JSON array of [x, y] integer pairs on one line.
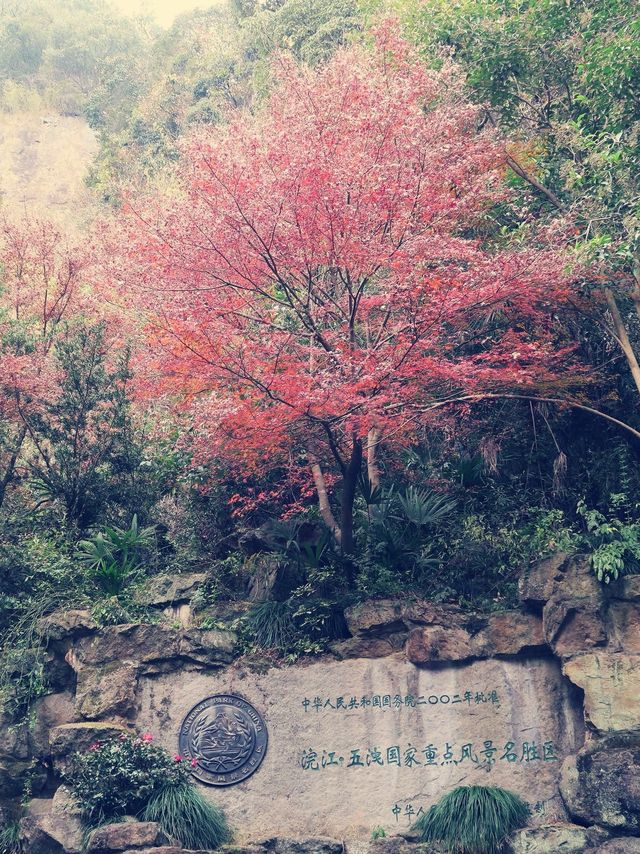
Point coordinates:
[[131, 775], [121, 775]]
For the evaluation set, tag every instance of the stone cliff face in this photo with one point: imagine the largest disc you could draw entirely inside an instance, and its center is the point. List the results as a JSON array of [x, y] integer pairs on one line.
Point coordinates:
[[422, 697]]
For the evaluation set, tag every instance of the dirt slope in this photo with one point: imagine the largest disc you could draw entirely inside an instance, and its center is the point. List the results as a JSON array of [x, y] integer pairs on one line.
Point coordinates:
[[43, 161]]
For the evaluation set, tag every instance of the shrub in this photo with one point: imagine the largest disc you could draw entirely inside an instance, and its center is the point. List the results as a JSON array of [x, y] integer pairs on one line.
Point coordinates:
[[187, 817], [131, 775], [120, 776], [473, 819]]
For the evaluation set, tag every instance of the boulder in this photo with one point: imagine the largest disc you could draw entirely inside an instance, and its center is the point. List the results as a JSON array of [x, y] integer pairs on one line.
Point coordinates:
[[437, 645], [164, 849], [124, 836], [53, 825], [35, 839], [538, 582], [627, 588], [502, 634], [611, 685], [107, 691], [16, 775], [626, 845], [380, 617], [312, 845], [401, 845], [161, 591], [509, 633], [148, 646], [558, 839], [361, 647], [67, 739], [601, 783], [50, 711], [69, 623], [14, 738], [575, 614], [624, 627]]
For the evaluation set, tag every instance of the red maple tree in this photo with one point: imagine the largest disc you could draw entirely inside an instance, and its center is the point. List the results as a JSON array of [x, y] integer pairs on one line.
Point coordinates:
[[318, 285], [40, 289]]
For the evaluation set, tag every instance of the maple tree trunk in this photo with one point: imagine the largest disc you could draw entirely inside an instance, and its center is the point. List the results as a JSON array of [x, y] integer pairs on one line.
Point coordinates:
[[373, 473], [349, 484], [323, 499], [11, 465], [622, 335]]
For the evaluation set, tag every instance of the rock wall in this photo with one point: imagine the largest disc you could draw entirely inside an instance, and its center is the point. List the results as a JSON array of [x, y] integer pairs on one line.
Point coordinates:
[[421, 698]]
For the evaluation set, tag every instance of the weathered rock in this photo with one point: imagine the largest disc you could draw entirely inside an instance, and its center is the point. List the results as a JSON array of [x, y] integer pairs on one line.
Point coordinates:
[[601, 783], [437, 645], [35, 839], [67, 739], [538, 582], [125, 835], [70, 623], [312, 845], [611, 685], [380, 617], [575, 614], [558, 839], [163, 590], [507, 633], [401, 845], [106, 691], [53, 825], [14, 739], [164, 849], [627, 588], [147, 646], [376, 617], [624, 627], [626, 845], [368, 647], [49, 712], [573, 625]]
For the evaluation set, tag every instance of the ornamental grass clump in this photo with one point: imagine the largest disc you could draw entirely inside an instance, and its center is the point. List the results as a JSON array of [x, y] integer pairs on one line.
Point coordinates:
[[473, 819], [130, 775], [187, 817]]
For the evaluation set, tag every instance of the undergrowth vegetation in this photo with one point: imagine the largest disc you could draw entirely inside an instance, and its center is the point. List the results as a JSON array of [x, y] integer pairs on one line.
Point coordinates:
[[473, 820], [131, 775]]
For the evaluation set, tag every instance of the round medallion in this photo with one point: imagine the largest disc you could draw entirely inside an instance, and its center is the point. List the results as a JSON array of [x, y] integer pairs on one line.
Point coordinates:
[[224, 739]]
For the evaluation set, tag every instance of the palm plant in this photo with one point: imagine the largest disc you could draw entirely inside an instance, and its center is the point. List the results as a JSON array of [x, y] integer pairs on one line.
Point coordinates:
[[114, 556], [473, 820]]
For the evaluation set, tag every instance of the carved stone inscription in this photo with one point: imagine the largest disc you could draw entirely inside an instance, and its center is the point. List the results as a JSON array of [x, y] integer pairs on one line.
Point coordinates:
[[362, 743], [224, 739]]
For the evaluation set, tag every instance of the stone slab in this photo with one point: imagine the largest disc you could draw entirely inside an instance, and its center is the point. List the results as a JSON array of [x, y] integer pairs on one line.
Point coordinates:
[[611, 685], [341, 768]]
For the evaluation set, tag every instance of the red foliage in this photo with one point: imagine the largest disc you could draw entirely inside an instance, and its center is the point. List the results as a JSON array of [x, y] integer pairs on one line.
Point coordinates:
[[317, 277]]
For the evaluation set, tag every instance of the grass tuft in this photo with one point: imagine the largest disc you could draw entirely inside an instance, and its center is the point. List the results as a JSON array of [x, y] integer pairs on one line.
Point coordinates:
[[271, 625], [186, 817], [473, 819]]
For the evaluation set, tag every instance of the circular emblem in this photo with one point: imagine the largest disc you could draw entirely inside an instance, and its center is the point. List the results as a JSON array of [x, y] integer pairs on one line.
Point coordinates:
[[224, 738]]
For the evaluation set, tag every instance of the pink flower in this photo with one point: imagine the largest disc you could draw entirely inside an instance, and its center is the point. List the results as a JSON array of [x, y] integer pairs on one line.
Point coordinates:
[[177, 758], [95, 746], [148, 737], [194, 763]]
